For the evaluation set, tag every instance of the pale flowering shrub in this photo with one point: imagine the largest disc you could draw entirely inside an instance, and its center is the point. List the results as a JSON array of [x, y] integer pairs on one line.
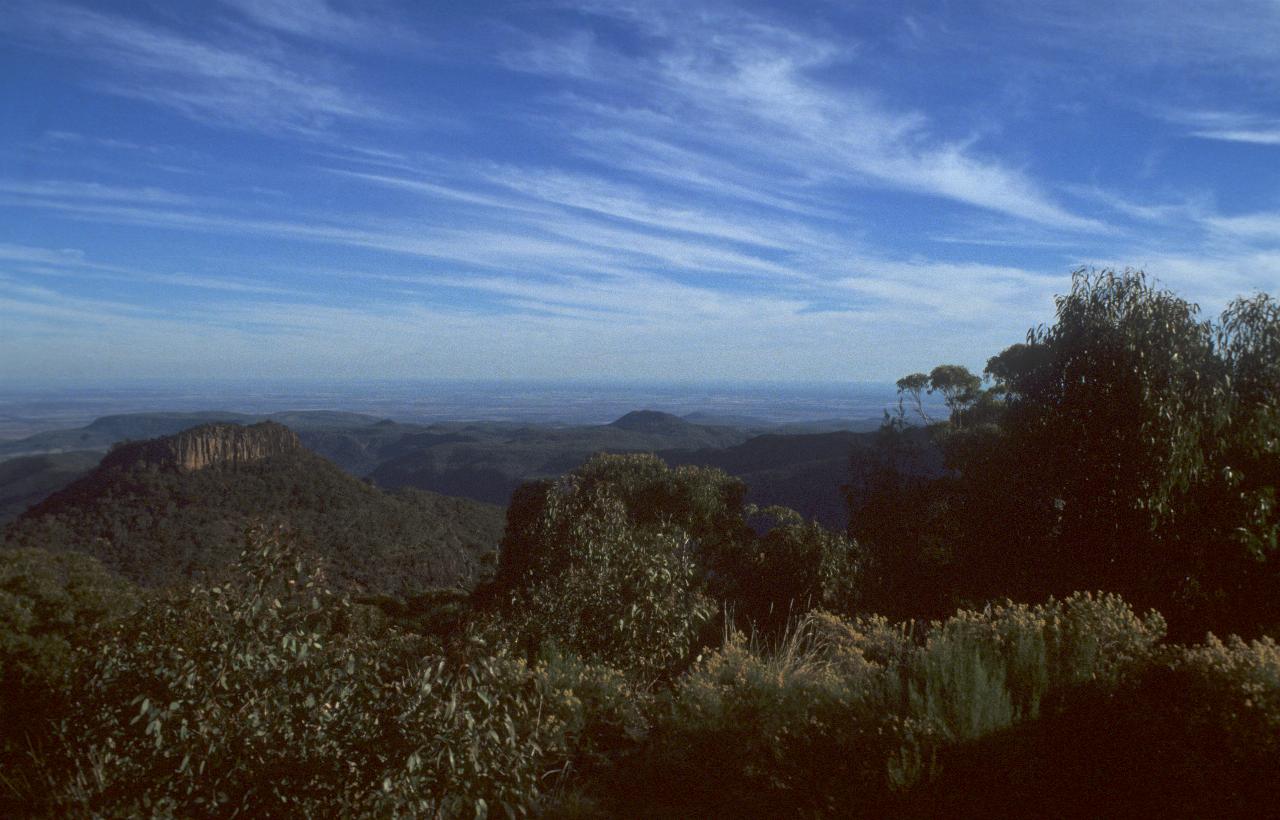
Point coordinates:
[[980, 671], [1237, 682]]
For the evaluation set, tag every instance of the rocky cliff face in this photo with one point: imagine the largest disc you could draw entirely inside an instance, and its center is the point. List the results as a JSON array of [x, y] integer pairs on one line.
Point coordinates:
[[208, 445]]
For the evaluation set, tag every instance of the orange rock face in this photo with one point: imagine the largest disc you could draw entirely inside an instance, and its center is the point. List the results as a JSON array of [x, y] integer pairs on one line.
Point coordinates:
[[212, 444]]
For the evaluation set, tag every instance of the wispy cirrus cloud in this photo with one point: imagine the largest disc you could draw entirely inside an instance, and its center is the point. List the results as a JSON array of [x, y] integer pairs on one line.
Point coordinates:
[[1227, 126], [658, 189], [325, 21], [642, 329], [221, 80], [1225, 36], [756, 90], [602, 277], [93, 191], [1263, 226], [73, 264]]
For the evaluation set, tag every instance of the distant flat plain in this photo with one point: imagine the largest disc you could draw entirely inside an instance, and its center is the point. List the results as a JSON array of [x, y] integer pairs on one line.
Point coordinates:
[[25, 410]]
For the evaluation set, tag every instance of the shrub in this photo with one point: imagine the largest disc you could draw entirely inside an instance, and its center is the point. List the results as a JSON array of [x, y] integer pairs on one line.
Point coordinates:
[[704, 503], [1232, 691], [801, 732], [1187, 732], [265, 697], [795, 566], [605, 717], [617, 561], [980, 672], [51, 603], [51, 606], [598, 585]]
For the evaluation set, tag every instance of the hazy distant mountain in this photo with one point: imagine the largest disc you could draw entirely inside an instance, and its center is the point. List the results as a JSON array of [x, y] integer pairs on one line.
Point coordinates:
[[488, 462], [806, 472], [653, 421], [802, 465], [108, 430], [761, 426], [102, 433], [166, 509], [29, 479], [742, 422]]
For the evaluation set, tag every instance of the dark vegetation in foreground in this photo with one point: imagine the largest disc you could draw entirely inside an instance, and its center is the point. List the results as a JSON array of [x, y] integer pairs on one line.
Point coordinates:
[[653, 646]]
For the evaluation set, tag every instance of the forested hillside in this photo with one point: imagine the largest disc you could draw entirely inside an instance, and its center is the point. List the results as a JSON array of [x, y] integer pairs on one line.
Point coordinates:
[[155, 521]]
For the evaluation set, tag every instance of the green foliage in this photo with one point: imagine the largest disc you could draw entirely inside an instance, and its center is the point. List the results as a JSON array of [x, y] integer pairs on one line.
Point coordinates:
[[855, 717], [619, 561], [959, 388], [1018, 368], [902, 516], [267, 697], [272, 696], [1152, 431], [980, 672], [1240, 683], [1120, 422], [598, 584], [912, 386], [790, 735], [1186, 732], [605, 715], [52, 606], [1239, 503], [793, 567], [705, 504], [1129, 446]]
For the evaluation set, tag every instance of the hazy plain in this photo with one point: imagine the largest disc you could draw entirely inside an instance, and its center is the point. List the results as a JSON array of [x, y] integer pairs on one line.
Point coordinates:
[[28, 410]]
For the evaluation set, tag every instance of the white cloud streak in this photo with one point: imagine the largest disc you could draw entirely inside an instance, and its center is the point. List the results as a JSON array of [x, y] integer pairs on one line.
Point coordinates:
[[226, 82], [321, 20], [754, 89]]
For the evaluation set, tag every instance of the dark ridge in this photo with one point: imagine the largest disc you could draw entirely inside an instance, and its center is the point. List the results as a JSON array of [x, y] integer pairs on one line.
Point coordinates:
[[28, 480], [149, 425], [650, 421]]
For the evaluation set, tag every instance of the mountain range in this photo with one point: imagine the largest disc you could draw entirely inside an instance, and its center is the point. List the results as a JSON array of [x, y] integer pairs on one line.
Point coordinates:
[[800, 466]]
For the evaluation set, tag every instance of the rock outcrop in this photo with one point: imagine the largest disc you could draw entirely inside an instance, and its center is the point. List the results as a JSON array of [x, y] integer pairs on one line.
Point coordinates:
[[208, 445]]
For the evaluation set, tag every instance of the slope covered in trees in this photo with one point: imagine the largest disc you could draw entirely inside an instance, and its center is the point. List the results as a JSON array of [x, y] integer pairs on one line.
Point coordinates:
[[148, 518]]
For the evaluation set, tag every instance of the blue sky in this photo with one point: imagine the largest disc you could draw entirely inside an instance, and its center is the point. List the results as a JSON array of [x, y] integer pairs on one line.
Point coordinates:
[[805, 191]]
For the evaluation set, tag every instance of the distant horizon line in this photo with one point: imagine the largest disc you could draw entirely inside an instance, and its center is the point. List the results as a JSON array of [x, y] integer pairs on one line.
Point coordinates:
[[13, 386]]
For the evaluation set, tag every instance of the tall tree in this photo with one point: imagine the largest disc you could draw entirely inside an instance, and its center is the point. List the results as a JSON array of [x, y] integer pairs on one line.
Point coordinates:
[[1130, 446], [913, 387], [959, 388]]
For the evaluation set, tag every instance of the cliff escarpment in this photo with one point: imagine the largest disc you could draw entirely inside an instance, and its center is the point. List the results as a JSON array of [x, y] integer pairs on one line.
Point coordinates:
[[208, 445]]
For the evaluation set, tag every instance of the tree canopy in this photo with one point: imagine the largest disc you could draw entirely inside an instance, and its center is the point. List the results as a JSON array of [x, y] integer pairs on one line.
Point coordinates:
[[1130, 445]]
